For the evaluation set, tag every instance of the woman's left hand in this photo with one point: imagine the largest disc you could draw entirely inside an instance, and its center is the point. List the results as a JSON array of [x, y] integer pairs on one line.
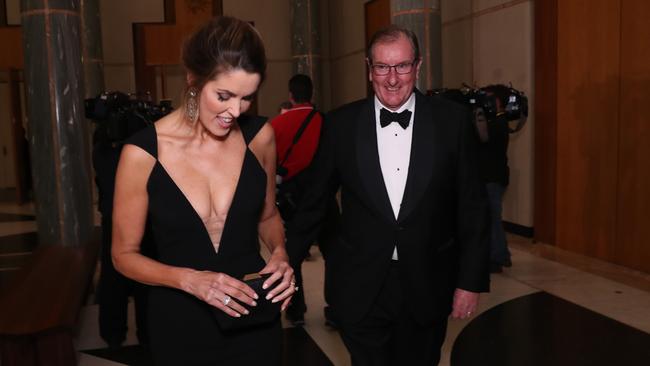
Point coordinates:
[[282, 281]]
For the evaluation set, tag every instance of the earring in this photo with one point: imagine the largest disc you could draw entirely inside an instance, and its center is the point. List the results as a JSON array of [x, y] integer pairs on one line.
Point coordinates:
[[192, 106]]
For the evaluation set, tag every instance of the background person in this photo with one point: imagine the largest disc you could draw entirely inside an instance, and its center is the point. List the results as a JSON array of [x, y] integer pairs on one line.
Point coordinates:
[[287, 124], [493, 160]]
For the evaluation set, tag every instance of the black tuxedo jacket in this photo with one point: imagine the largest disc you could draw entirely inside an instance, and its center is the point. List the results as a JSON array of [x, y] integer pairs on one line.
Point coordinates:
[[440, 232]]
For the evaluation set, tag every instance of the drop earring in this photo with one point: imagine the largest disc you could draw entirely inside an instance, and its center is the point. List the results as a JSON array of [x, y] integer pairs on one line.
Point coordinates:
[[192, 106]]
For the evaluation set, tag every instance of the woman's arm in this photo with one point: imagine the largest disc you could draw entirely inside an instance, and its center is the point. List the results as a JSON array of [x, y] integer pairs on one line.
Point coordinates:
[[129, 217], [270, 227]]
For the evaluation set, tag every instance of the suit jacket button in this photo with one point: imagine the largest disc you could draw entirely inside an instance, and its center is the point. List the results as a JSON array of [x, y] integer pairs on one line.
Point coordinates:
[[400, 228]]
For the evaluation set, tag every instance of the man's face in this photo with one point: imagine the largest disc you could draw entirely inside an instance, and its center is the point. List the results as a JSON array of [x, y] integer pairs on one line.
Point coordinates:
[[393, 89]]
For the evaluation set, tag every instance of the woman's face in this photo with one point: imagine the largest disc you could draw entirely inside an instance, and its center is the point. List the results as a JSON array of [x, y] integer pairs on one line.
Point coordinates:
[[223, 99]]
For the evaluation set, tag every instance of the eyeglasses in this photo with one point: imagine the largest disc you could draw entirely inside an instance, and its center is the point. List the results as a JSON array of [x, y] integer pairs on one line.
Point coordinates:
[[383, 69]]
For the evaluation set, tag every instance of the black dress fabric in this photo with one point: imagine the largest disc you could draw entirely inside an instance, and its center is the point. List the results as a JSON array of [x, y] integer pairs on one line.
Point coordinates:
[[182, 328]]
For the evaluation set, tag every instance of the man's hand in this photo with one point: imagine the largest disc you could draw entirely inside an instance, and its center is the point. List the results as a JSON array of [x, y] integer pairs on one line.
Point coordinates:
[[465, 304]]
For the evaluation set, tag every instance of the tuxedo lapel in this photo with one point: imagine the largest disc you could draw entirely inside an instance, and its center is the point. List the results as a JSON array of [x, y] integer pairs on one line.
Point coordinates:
[[422, 150], [368, 161]]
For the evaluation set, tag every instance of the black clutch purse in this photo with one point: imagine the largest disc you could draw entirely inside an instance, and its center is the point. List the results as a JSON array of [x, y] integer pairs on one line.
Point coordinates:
[[265, 312]]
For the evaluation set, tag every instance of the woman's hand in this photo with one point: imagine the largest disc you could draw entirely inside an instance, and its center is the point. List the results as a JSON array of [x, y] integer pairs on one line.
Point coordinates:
[[280, 270], [220, 291]]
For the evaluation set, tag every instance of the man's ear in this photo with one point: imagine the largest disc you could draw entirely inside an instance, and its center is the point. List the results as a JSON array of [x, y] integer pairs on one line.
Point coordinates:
[[369, 64], [418, 63]]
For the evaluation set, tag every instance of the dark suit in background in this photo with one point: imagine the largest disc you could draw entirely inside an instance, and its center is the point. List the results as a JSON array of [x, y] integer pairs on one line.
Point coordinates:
[[394, 312]]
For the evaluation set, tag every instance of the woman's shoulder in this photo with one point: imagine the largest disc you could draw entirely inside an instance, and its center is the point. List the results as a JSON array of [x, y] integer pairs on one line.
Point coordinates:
[[263, 142], [156, 135], [145, 139], [252, 126], [264, 139], [170, 131]]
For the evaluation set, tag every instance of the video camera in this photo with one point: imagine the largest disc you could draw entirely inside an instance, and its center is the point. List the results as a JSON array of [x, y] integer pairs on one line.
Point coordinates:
[[120, 115], [483, 103]]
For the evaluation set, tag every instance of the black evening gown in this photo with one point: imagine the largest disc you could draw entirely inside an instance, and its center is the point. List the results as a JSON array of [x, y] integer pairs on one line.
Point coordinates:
[[182, 328]]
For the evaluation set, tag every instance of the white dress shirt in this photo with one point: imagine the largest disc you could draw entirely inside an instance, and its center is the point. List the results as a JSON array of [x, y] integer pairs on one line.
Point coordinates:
[[394, 148]]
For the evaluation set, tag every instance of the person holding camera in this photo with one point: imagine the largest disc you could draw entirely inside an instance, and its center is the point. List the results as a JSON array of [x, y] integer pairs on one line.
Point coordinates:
[[496, 175], [204, 176], [410, 249]]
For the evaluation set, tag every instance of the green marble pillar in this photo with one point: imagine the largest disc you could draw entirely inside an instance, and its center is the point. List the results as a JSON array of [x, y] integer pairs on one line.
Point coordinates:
[[423, 17], [305, 42], [57, 128], [93, 56], [93, 61]]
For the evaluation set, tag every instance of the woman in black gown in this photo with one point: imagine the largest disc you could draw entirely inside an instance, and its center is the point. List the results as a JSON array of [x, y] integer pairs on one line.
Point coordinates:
[[204, 178]]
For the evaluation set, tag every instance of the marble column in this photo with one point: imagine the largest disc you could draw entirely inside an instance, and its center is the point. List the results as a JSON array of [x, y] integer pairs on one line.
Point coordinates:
[[305, 42], [57, 128], [423, 17], [93, 56], [93, 61]]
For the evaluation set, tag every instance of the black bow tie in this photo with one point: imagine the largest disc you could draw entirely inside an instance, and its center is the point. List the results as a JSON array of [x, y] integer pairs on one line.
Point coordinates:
[[387, 117]]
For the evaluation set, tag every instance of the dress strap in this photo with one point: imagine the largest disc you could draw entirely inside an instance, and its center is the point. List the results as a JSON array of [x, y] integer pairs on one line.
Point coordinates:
[[250, 126], [146, 139]]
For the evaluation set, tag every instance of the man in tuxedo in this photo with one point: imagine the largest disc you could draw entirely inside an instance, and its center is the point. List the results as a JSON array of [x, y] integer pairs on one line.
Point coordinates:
[[411, 246]]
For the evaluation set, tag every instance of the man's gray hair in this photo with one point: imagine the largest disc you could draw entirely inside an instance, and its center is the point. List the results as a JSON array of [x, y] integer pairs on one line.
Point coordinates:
[[391, 34]]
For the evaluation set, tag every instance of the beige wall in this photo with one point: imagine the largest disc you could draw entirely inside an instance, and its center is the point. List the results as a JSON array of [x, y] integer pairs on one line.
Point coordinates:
[[487, 42], [457, 43], [347, 51], [117, 38]]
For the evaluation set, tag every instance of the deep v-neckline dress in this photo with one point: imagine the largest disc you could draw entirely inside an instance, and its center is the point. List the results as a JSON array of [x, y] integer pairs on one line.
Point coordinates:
[[182, 328]]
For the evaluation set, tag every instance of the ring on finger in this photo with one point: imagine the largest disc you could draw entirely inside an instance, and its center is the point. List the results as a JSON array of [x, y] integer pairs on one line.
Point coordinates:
[[226, 300]]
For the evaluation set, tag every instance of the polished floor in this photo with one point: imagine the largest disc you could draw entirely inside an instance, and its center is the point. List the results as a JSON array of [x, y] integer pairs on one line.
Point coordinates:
[[540, 312]]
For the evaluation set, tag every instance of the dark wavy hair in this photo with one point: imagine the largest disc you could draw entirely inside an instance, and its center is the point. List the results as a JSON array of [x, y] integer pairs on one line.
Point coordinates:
[[224, 43]]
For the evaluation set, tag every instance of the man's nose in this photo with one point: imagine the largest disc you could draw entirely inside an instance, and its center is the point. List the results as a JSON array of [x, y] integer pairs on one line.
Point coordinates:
[[392, 76]]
